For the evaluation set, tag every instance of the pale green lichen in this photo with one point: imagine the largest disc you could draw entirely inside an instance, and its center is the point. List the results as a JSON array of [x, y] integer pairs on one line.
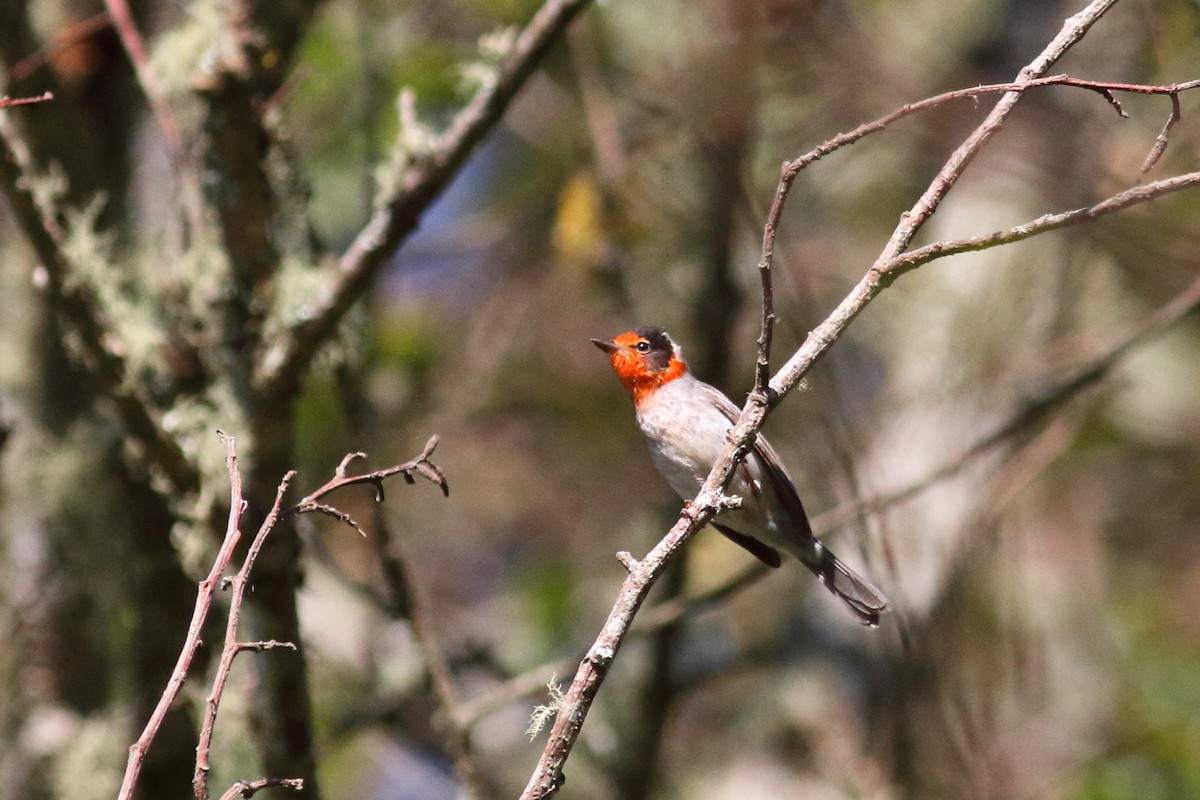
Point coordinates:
[[191, 52], [543, 714], [414, 141], [482, 73], [91, 764]]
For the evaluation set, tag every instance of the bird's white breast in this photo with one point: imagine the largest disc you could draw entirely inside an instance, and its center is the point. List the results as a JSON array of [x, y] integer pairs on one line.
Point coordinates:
[[686, 433]]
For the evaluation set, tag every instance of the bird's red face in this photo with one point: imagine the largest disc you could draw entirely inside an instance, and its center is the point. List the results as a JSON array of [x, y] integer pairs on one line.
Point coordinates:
[[644, 359]]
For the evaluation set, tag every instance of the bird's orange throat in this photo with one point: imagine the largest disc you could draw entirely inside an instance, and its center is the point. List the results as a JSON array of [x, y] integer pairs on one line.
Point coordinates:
[[640, 382]]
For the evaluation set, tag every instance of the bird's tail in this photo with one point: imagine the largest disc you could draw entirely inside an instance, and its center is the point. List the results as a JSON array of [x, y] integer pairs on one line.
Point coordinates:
[[855, 591]]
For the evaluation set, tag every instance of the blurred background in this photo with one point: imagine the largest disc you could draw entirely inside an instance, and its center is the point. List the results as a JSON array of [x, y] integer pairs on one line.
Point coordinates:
[[1044, 642]]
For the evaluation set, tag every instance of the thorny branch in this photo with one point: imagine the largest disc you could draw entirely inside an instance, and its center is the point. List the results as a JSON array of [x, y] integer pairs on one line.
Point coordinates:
[[547, 777], [239, 583]]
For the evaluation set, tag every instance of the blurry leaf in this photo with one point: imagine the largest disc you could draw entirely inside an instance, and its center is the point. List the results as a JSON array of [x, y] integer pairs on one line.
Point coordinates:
[[578, 237]]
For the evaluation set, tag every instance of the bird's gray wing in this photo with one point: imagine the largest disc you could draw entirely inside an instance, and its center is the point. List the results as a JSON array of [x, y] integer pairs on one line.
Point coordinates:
[[867, 602], [763, 459]]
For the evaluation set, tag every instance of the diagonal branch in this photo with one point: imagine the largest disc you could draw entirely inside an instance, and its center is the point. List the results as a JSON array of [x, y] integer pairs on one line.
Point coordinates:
[[911, 222], [823, 336], [889, 270], [791, 170], [285, 364]]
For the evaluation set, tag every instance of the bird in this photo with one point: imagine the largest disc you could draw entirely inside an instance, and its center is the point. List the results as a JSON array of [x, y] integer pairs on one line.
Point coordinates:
[[686, 423]]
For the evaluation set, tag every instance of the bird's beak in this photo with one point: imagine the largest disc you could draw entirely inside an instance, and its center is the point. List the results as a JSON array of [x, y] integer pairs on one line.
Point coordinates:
[[607, 345]]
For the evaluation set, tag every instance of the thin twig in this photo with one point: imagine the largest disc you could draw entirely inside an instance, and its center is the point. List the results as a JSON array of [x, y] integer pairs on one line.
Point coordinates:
[[9, 102], [131, 40], [911, 221], [421, 465], [1160, 143], [238, 583], [232, 647], [762, 366], [204, 597], [251, 788], [887, 271], [1104, 88], [62, 40], [284, 366]]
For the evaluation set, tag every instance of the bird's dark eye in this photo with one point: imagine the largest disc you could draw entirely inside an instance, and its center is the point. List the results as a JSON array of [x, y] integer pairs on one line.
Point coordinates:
[[642, 346]]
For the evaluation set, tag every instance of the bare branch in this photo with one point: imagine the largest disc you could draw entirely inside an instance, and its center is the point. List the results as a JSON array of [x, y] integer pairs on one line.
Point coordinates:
[[1105, 89], [1072, 31], [330, 511], [284, 365], [262, 647], [8, 102], [887, 271], [421, 465], [822, 337], [1160, 143], [204, 597], [251, 788], [207, 589], [1022, 422], [232, 647]]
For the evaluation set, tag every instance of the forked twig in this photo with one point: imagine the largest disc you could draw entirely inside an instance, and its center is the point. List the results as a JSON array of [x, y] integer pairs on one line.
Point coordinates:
[[232, 647], [204, 597], [238, 583], [421, 465]]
